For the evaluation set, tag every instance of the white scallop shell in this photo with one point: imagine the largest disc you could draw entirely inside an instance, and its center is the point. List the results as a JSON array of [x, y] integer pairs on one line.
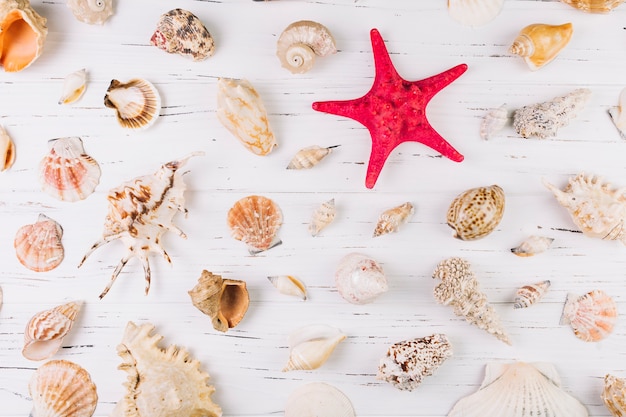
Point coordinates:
[[618, 114], [532, 245], [301, 42], [289, 285], [360, 279], [317, 399], [45, 331], [137, 103], [7, 150], [74, 87], [311, 346], [493, 122], [474, 12], [322, 217], [93, 12]]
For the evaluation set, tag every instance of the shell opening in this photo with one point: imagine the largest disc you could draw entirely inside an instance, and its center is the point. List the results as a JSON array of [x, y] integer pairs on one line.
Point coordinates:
[[231, 305], [19, 42]]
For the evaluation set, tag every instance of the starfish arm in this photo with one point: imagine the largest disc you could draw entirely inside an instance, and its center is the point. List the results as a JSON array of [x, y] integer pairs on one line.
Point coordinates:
[[432, 85], [385, 71], [376, 163], [434, 140], [352, 109]]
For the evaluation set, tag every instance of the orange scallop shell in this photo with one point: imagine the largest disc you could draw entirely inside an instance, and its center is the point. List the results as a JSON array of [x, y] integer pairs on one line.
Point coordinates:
[[38, 246], [255, 220], [592, 315]]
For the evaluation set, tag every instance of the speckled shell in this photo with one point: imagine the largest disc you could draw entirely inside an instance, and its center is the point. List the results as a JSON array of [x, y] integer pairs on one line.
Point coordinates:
[[7, 150], [594, 6], [618, 114], [323, 216], [22, 30], [474, 12], [93, 12], [529, 294], [390, 220], [289, 285], [407, 363], [181, 32], [45, 331], [592, 316], [309, 157], [311, 346], [137, 103], [360, 279], [532, 245], [614, 395], [74, 86], [255, 220], [38, 246], [493, 122], [301, 42], [540, 43], [476, 212], [317, 399], [161, 382], [61, 388]]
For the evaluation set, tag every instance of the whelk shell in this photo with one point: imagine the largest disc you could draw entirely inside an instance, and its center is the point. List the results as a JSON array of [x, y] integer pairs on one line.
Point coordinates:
[[309, 157], [255, 220], [181, 32], [225, 301], [474, 12], [614, 395], [22, 34], [360, 279], [592, 316], [390, 220], [519, 390], [322, 217], [594, 6], [137, 103], [161, 382], [61, 388], [540, 43], [318, 399], [618, 114], [476, 212], [289, 285], [45, 331], [38, 246], [7, 150], [493, 122], [74, 86], [529, 294], [311, 346], [301, 42], [532, 245], [93, 12]]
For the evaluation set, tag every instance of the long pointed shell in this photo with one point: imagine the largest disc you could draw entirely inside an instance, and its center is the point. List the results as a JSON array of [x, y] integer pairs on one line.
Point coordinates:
[[474, 12], [594, 6], [540, 43], [323, 216], [309, 157], [38, 246], [7, 150], [476, 212], [532, 245], [529, 294], [74, 86], [181, 32], [360, 279], [493, 122], [317, 399], [61, 388], [255, 220], [614, 395], [618, 114], [311, 346], [93, 12], [45, 331], [592, 316], [288, 285], [300, 42], [22, 34], [390, 220], [137, 103]]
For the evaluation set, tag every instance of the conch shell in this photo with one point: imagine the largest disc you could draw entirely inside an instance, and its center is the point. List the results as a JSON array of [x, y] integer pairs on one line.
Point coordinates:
[[93, 12], [360, 279], [614, 395], [390, 220], [474, 12], [255, 220], [181, 32], [300, 42], [74, 87], [311, 346], [309, 157], [137, 103], [476, 212], [7, 150], [592, 316], [38, 246], [529, 294], [322, 217], [318, 399], [45, 330], [22, 34], [594, 6], [540, 43]]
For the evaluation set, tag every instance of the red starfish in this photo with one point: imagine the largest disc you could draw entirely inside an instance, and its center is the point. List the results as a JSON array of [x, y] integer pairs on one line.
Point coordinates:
[[394, 110]]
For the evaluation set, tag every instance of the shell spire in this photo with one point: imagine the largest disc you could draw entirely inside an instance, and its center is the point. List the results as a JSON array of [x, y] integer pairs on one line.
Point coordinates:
[[301, 42]]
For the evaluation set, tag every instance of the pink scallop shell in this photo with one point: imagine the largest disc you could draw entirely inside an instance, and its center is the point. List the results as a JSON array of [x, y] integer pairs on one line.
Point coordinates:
[[592, 315], [38, 246]]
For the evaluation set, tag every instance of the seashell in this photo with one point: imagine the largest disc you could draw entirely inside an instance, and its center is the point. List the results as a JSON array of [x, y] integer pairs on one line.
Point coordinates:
[[519, 390], [22, 34], [474, 12], [140, 211], [309, 157], [311, 346], [161, 382], [136, 102], [61, 388], [390, 220], [594, 6], [38, 246], [493, 122], [255, 220], [322, 217], [300, 42], [318, 399], [67, 172], [360, 279], [530, 294], [618, 114], [7, 150], [614, 395], [45, 331], [181, 32], [224, 300], [595, 206], [93, 12], [476, 212], [539, 43], [532, 246], [592, 316], [407, 363], [74, 87], [288, 285], [544, 119], [459, 288], [241, 111]]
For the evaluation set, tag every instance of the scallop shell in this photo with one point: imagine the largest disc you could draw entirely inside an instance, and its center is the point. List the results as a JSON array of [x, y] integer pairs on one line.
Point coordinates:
[[476, 212], [459, 288], [594, 6], [161, 382], [288, 285], [540, 43], [519, 390], [137, 103], [181, 32], [408, 362], [74, 87], [618, 114], [93, 12], [45, 331], [391, 220], [530, 294], [311, 346], [38, 246], [614, 395], [309, 157], [225, 301], [592, 316], [67, 172], [22, 34], [7, 150], [318, 399], [322, 217], [493, 122], [140, 211], [61, 388], [255, 220], [532, 245], [360, 279], [241, 111], [474, 12], [301, 42]]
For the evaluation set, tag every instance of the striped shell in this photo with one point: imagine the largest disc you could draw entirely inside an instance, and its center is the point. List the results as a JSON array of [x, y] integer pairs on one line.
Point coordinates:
[[309, 157], [322, 217], [38, 246], [475, 213], [532, 245], [390, 220], [311, 346], [529, 294], [45, 331], [137, 103], [255, 220], [182, 32], [592, 316], [614, 395]]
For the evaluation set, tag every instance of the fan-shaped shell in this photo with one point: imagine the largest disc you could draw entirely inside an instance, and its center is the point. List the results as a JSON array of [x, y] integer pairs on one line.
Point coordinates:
[[289, 285], [7, 150], [38, 246], [474, 12], [493, 122], [614, 395], [311, 346], [592, 316], [309, 157], [255, 220], [137, 103], [532, 245], [62, 388], [540, 43], [529, 294], [390, 220], [476, 212], [22, 34], [45, 330], [93, 12], [301, 42], [594, 6], [322, 217], [182, 32], [360, 279], [74, 86], [317, 399]]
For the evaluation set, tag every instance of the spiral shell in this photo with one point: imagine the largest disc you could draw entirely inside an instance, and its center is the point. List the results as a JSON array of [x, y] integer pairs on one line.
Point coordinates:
[[322, 217], [614, 395], [390, 220], [45, 331], [137, 103], [476, 212], [301, 42], [311, 346], [7, 150], [38, 246], [22, 34], [529, 294], [309, 157], [592, 316], [93, 12], [540, 43], [181, 32], [594, 6], [255, 220], [493, 122], [532, 245], [360, 279]]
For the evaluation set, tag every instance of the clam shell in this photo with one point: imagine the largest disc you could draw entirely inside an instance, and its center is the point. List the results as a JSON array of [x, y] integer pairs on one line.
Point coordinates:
[[93, 12], [618, 114], [301, 42], [539, 44], [289, 285], [476, 212], [74, 86], [390, 220], [594, 6], [323, 216], [38, 246], [22, 34], [532, 245], [614, 395], [255, 220], [309, 157], [181, 32], [61, 388], [529, 294], [137, 103], [7, 150], [317, 399], [311, 346], [592, 316], [45, 331], [474, 12], [360, 279], [493, 122]]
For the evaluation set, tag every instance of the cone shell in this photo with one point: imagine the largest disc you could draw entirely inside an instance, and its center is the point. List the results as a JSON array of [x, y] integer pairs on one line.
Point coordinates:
[[45, 330], [529, 294], [22, 34], [318, 399], [225, 301], [323, 216], [360, 279], [592, 316], [476, 212], [311, 346], [539, 43], [493, 122], [614, 395], [390, 220], [309, 157], [181, 32], [594, 6], [7, 150], [532, 245], [38, 246], [93, 12], [255, 220], [301, 42], [137, 103], [618, 114], [74, 87], [288, 285], [62, 388], [474, 12]]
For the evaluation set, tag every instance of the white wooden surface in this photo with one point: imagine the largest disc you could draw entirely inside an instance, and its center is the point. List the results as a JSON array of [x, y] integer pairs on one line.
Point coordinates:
[[245, 362]]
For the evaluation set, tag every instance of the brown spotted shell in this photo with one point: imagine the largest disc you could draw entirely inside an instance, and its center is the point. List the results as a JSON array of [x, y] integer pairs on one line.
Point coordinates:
[[181, 32], [476, 212], [255, 220], [38, 246]]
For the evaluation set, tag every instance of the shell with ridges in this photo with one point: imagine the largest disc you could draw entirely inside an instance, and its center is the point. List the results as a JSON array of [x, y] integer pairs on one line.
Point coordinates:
[[532, 245], [38, 246], [309, 157], [74, 86], [540, 43], [529, 294], [476, 212], [137, 103], [322, 217], [182, 32], [592, 316], [618, 114], [22, 34], [390, 220], [594, 6], [494, 121], [7, 150], [474, 12], [93, 12], [45, 331], [614, 395], [360, 279], [289, 285], [301, 42], [311, 346], [255, 220], [318, 399]]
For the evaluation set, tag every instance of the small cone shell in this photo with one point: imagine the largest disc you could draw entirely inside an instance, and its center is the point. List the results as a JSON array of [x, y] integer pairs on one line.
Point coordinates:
[[614, 395], [391, 220], [539, 43], [22, 34], [309, 157], [594, 6], [45, 331], [288, 285], [311, 346], [476, 212], [74, 87], [530, 294], [7, 150], [323, 216], [532, 246]]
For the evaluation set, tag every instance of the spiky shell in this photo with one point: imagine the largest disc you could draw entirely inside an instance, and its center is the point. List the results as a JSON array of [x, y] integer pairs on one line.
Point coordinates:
[[618, 114], [289, 285], [323, 216], [309, 157], [493, 122], [7, 150], [255, 220], [476, 212], [45, 331], [474, 12], [38, 246], [311, 346], [318, 399], [161, 382], [61, 388], [93, 12], [360, 279], [140, 211], [540, 43], [594, 6], [390, 220], [182, 32], [614, 395], [592, 316], [22, 34], [519, 390], [529, 294], [532, 245], [301, 42], [137, 103], [74, 86]]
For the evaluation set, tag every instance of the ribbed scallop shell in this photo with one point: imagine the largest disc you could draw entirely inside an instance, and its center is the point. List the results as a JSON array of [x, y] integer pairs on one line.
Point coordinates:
[[529, 294], [137, 103], [519, 390], [317, 399], [476, 212], [618, 114], [311, 346], [532, 245], [62, 388], [390, 220], [323, 216], [22, 34], [255, 220], [93, 12], [592, 316], [45, 331], [493, 122], [594, 6], [74, 86], [360, 279], [7, 150], [289, 285], [540, 43], [67, 172], [301, 42], [474, 12], [309, 157], [614, 395], [182, 32], [38, 246]]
